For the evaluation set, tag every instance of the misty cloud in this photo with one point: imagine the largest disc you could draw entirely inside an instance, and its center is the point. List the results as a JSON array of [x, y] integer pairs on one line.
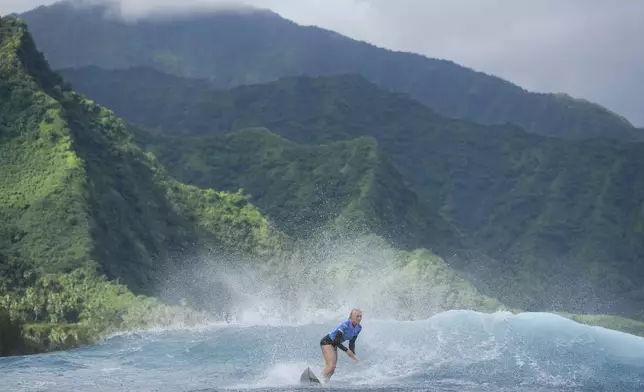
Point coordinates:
[[587, 48]]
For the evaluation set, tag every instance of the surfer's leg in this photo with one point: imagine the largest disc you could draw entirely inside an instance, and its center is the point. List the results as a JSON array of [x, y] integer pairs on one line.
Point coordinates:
[[330, 359]]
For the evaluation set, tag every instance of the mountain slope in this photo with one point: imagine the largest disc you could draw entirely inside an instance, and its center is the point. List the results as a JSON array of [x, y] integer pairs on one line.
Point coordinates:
[[57, 299], [95, 180], [79, 203], [85, 210], [565, 216], [233, 48], [305, 189]]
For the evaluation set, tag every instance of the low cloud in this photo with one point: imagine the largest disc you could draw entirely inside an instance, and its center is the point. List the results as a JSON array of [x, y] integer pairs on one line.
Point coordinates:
[[587, 48]]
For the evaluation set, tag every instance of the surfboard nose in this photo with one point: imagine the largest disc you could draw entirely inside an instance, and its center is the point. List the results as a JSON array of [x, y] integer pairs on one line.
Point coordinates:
[[308, 377]]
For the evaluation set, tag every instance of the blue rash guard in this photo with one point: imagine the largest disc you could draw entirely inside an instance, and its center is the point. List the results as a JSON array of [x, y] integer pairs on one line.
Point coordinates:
[[344, 332]]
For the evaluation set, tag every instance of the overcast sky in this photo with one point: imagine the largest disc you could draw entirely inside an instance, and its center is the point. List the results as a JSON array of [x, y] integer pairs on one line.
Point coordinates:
[[587, 48]]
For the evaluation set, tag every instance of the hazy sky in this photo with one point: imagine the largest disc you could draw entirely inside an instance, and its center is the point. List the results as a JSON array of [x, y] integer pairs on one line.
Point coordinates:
[[586, 48]]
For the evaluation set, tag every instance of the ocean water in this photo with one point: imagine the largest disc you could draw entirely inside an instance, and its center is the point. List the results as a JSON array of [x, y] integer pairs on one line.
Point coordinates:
[[276, 320], [450, 351]]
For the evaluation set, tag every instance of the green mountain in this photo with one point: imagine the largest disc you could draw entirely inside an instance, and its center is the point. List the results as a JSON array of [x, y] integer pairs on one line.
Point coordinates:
[[82, 206], [306, 189], [68, 161], [97, 237], [91, 222], [561, 218], [234, 48]]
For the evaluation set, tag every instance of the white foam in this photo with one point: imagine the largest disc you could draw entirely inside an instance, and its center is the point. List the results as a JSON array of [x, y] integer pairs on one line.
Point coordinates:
[[278, 375]]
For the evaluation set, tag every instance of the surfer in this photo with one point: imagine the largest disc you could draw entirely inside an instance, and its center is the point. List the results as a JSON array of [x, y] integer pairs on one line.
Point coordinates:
[[347, 330]]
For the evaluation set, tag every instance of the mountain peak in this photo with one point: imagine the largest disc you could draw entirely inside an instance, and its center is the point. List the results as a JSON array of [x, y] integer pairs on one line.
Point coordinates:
[[20, 55]]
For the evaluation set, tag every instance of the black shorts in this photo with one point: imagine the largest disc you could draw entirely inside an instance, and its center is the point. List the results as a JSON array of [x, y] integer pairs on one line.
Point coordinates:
[[327, 340]]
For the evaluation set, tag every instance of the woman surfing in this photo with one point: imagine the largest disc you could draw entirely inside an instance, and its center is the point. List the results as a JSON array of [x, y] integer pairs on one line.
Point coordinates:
[[347, 330]]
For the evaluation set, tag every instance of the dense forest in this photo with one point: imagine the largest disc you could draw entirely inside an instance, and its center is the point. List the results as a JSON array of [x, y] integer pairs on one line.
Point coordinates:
[[95, 230], [560, 219]]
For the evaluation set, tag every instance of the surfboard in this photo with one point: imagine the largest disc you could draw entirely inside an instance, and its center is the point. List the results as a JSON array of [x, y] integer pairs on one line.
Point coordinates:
[[308, 377]]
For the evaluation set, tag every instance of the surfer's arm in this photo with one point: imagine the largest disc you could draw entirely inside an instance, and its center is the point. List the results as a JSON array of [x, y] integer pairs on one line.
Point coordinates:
[[352, 347], [337, 342], [352, 344]]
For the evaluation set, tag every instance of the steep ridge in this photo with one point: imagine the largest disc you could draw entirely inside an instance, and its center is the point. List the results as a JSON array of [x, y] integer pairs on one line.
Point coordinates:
[[563, 216], [80, 203], [234, 48], [305, 189], [104, 180]]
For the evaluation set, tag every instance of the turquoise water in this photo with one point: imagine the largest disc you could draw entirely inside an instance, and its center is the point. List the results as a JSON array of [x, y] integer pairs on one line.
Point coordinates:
[[451, 351], [277, 320]]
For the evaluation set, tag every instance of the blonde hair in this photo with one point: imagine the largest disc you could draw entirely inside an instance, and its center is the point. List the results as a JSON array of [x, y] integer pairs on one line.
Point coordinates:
[[353, 311]]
